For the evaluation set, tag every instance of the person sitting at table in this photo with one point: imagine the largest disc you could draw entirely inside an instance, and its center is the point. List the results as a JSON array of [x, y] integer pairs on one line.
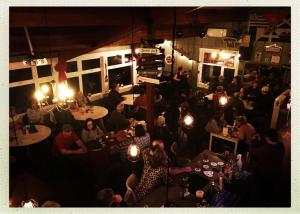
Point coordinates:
[[35, 115], [114, 97], [216, 123], [14, 117], [91, 132], [15, 123], [246, 132], [142, 138], [122, 147], [117, 120], [81, 99], [67, 142], [155, 171], [107, 198]]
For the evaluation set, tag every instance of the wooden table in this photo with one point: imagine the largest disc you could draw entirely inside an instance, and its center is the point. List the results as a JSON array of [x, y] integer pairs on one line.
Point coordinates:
[[226, 138], [94, 112], [129, 99], [31, 138]]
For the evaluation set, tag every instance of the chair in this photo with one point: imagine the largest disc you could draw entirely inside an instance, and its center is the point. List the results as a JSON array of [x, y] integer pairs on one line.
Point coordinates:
[[131, 182]]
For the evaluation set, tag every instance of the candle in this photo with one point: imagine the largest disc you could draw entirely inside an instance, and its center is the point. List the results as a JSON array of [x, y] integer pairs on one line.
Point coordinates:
[[199, 194]]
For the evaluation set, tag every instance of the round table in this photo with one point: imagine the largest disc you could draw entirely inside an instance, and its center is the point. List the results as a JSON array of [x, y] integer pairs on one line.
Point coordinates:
[[96, 112], [129, 99], [31, 138]]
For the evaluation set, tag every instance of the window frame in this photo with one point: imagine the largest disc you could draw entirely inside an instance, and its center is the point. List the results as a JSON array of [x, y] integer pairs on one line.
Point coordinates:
[[103, 69]]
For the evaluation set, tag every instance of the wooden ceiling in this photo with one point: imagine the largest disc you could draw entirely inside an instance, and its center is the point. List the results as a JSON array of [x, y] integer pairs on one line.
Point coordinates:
[[70, 31]]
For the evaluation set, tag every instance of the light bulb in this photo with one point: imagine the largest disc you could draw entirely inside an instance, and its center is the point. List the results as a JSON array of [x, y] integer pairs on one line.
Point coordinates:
[[39, 95], [62, 91], [133, 151], [213, 55], [45, 89], [223, 100], [224, 55], [137, 51], [70, 93], [188, 120]]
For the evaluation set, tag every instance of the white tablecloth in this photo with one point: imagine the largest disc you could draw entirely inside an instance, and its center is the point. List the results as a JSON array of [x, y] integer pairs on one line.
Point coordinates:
[[31, 138], [96, 112]]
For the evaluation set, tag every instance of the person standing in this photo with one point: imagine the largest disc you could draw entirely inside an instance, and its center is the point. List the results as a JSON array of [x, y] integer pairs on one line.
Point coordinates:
[[114, 97], [181, 78], [267, 160]]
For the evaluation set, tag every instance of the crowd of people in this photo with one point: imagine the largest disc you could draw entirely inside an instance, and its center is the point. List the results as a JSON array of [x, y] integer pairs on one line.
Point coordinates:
[[263, 143]]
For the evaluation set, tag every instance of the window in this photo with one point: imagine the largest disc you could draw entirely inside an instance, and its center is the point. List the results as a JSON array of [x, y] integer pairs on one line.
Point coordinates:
[[114, 60], [44, 71], [91, 83], [20, 75], [71, 66], [120, 75], [21, 97], [128, 58], [73, 83], [210, 72], [90, 64]]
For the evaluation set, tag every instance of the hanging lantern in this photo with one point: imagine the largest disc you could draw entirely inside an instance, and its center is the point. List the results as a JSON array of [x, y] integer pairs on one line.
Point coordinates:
[[133, 152]]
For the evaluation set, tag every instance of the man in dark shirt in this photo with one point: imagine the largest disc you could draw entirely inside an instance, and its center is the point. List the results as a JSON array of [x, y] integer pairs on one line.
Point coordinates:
[[267, 161], [253, 92], [117, 121], [268, 157], [181, 79], [114, 97]]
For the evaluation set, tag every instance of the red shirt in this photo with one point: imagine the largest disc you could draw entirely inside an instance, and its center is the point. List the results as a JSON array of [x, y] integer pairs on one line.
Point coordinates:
[[62, 142]]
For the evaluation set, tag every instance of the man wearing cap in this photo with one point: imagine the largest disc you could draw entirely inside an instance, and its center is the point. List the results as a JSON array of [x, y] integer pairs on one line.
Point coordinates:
[[67, 142]]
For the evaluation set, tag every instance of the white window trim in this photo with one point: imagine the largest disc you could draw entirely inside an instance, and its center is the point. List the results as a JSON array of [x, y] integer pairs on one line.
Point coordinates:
[[103, 59], [201, 63]]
